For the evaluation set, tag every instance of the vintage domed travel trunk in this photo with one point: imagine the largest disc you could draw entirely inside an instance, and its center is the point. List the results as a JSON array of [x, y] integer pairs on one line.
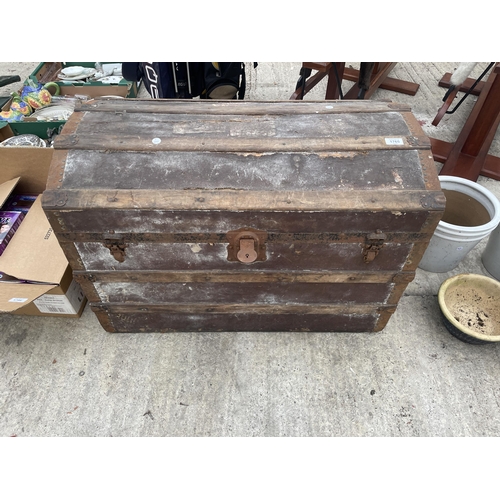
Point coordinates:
[[243, 216]]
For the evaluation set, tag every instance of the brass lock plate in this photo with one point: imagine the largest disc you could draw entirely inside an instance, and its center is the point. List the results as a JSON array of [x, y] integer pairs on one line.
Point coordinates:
[[246, 245]]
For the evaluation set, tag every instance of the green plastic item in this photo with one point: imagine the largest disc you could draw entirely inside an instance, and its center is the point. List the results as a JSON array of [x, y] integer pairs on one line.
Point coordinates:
[[44, 130]]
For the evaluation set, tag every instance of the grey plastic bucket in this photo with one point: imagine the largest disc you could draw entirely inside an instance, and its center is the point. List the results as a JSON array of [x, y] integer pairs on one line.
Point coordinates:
[[472, 213], [491, 254]]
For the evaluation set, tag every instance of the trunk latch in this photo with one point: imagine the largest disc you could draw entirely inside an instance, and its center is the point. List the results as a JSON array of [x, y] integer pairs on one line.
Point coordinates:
[[116, 249], [246, 245], [374, 242]]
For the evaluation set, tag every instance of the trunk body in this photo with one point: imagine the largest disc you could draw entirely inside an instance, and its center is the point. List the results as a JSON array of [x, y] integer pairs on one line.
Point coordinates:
[[243, 216]]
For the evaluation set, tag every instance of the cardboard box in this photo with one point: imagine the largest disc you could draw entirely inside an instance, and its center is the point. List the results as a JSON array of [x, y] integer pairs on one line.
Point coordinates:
[[47, 72], [35, 277], [66, 300], [5, 131], [42, 129]]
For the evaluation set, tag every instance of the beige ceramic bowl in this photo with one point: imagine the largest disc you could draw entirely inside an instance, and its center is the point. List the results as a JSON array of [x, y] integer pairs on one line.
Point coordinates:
[[470, 307]]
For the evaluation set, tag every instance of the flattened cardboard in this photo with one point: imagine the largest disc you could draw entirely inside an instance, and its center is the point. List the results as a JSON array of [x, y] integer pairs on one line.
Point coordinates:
[[6, 189], [5, 131], [34, 253]]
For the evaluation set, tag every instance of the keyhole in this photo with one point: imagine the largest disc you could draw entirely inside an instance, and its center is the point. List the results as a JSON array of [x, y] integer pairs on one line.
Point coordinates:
[[247, 251]]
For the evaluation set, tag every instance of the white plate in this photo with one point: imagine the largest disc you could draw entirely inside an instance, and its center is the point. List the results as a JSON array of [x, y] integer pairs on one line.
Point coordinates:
[[110, 79], [57, 112], [86, 73], [72, 71], [23, 140]]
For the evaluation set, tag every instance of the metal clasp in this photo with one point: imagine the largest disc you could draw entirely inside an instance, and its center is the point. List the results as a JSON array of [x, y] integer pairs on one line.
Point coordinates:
[[116, 249], [246, 245], [373, 244], [247, 252]]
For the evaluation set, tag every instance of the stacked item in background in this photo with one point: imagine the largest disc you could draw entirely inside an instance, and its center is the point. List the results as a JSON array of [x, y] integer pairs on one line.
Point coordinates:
[[49, 95]]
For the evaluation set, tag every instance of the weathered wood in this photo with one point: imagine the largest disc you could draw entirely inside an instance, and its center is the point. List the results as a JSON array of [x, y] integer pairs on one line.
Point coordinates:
[[235, 127], [236, 200], [234, 308], [172, 106], [333, 171], [229, 127], [96, 283], [222, 221], [251, 293], [292, 257], [337, 199], [164, 322], [199, 238], [144, 276], [56, 173], [140, 142]]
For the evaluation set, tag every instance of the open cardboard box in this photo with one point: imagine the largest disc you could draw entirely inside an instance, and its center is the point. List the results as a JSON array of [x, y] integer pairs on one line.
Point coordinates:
[[43, 129], [47, 72], [35, 275], [5, 131]]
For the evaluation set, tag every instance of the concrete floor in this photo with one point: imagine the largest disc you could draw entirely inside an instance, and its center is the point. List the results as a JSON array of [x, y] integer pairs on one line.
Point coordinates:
[[68, 377]]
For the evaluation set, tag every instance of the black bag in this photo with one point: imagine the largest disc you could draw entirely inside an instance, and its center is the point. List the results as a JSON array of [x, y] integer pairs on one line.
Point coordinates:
[[223, 80], [173, 80], [166, 80]]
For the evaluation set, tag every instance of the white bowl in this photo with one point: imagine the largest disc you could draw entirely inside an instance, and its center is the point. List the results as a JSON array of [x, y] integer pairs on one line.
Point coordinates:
[[469, 307], [24, 140]]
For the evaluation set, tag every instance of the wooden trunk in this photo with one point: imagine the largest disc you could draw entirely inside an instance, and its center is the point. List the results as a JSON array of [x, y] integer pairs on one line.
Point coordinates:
[[243, 216]]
